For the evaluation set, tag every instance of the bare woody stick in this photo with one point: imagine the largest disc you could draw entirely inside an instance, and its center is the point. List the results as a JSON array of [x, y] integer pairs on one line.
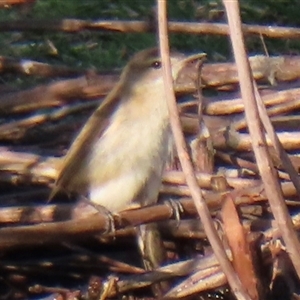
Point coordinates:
[[186, 163], [266, 168]]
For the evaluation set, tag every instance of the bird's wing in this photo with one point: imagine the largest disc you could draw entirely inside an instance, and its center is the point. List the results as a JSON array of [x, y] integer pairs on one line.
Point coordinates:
[[93, 129]]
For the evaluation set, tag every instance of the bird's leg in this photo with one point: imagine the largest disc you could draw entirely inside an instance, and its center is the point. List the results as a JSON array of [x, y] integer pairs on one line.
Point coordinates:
[[177, 209], [110, 227], [110, 222]]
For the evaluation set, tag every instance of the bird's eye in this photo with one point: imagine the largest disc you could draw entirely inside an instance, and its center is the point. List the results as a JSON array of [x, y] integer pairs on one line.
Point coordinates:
[[156, 65]]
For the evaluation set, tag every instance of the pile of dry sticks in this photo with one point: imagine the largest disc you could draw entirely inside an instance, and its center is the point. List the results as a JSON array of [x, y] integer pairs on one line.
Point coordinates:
[[54, 249]]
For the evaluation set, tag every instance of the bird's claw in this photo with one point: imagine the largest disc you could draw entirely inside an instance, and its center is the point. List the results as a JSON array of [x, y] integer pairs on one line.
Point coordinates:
[[110, 227], [177, 209]]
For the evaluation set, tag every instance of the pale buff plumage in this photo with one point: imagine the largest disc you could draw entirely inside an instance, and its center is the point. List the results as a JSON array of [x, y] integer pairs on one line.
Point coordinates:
[[118, 158]]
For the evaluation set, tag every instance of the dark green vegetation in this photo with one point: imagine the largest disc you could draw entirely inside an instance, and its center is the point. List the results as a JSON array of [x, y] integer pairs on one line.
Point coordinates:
[[105, 51]]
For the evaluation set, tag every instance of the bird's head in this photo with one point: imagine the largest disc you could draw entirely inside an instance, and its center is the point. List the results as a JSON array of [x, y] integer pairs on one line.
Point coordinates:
[[145, 67]]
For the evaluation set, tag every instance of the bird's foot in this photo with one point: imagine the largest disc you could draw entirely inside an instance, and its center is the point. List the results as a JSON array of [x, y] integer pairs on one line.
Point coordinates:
[[110, 227], [177, 209]]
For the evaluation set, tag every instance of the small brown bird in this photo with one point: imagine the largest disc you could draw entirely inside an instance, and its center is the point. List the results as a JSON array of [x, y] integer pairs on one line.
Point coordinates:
[[118, 158]]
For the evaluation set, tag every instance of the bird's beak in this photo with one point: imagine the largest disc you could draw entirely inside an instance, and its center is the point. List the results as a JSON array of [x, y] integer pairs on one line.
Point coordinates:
[[190, 59], [183, 79]]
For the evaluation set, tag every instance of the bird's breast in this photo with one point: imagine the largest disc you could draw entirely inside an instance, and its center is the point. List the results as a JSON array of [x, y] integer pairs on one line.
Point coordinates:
[[129, 156]]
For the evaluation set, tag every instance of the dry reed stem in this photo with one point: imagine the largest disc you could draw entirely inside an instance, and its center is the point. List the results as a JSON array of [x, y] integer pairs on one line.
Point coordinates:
[[262, 156], [76, 25], [186, 164]]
